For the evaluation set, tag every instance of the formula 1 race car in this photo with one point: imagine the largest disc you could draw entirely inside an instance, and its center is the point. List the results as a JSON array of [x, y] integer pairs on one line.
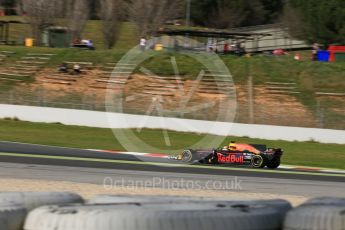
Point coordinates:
[[256, 156]]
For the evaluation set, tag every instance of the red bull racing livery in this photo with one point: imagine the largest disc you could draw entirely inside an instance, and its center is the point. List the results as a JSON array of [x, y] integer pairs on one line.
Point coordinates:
[[256, 156]]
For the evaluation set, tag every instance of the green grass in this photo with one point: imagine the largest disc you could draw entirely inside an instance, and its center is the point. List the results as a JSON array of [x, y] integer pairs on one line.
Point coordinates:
[[296, 153]]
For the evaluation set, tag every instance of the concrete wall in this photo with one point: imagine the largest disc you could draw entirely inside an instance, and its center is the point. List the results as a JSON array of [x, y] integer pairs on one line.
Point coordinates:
[[115, 120]]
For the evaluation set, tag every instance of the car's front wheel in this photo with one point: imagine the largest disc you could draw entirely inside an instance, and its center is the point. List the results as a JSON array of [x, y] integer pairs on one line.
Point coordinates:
[[187, 156]]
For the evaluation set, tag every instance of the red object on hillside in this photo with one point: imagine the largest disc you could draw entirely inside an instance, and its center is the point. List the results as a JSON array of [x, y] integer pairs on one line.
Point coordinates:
[[335, 49], [297, 57], [279, 52]]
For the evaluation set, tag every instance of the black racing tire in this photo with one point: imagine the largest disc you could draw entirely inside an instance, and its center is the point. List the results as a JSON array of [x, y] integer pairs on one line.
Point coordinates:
[[274, 164], [12, 216], [333, 201], [318, 217], [282, 206], [324, 213], [32, 200], [188, 216], [258, 161], [143, 199]]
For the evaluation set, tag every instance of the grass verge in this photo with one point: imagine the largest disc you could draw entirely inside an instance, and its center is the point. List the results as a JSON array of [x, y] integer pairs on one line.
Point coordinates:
[[296, 153]]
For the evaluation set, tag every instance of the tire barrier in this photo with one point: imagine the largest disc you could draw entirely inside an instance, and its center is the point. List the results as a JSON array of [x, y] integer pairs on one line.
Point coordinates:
[[172, 216], [11, 216], [123, 199], [66, 211], [31, 200], [317, 214], [326, 201], [281, 205]]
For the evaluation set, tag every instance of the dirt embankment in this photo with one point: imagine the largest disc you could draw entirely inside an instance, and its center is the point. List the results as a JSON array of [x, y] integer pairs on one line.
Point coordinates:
[[137, 98], [275, 109]]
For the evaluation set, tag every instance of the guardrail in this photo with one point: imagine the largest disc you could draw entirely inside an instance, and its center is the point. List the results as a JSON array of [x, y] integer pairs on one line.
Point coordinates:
[[126, 121]]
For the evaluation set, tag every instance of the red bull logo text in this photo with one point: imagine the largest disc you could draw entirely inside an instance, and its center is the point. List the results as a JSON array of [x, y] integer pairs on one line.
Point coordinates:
[[230, 159]]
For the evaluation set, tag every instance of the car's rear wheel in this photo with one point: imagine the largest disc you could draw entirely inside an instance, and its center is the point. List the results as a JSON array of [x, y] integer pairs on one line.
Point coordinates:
[[258, 161], [273, 164]]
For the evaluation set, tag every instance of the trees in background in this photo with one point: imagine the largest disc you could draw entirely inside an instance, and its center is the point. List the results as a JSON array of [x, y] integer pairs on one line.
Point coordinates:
[[316, 21], [310, 20], [226, 14], [78, 13], [94, 6], [273, 10], [150, 15], [111, 14], [40, 15], [9, 6], [8, 3], [43, 13]]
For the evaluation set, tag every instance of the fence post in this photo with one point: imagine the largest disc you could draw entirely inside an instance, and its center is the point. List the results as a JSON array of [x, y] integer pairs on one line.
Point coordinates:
[[250, 93], [320, 112], [11, 97], [40, 97]]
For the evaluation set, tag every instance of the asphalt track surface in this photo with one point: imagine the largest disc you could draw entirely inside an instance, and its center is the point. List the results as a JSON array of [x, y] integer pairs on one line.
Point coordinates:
[[26, 161]]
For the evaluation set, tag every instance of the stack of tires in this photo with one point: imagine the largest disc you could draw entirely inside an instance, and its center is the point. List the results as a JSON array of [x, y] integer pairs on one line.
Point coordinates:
[[67, 211], [157, 213], [15, 206], [317, 214]]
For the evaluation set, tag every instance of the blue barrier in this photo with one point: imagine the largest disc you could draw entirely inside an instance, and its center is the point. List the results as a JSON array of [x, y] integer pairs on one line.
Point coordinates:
[[323, 56]]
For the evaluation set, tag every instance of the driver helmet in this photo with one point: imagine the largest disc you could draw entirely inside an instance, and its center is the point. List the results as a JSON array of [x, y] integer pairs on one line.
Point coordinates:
[[232, 146]]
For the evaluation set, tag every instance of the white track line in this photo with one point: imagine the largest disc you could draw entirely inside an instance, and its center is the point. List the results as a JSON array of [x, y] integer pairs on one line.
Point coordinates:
[[154, 155]]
